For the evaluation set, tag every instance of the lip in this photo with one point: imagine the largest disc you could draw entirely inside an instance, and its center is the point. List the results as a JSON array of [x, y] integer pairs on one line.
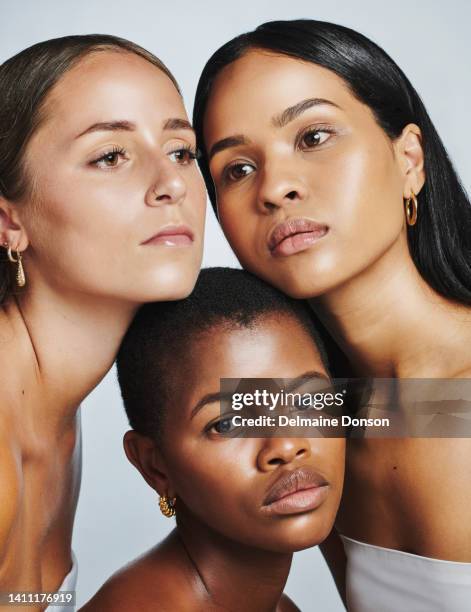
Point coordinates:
[[172, 235], [295, 235], [295, 492]]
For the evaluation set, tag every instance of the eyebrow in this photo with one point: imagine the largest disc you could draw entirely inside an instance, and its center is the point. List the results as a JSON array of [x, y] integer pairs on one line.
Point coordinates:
[[174, 123], [279, 120], [292, 112], [109, 126], [211, 398], [227, 143], [312, 375], [177, 124]]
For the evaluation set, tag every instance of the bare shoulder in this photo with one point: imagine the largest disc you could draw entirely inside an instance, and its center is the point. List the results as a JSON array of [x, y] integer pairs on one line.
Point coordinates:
[[156, 581]]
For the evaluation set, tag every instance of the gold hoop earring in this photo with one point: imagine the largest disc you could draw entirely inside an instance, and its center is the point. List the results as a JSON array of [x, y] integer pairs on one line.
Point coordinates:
[[411, 208], [20, 273], [167, 505]]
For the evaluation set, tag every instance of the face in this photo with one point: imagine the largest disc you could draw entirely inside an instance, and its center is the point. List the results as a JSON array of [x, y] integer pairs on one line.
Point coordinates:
[[249, 489], [309, 188], [118, 204]]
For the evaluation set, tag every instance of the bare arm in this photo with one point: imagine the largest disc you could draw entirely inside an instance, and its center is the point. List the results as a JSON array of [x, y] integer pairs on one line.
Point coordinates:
[[334, 554]]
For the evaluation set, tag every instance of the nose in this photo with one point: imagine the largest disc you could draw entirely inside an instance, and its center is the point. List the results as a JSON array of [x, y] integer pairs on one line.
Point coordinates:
[[281, 451], [279, 187], [168, 186]]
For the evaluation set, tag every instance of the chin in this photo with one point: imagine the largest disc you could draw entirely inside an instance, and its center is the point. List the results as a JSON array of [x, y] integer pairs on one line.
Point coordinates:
[[170, 282], [308, 539], [298, 532]]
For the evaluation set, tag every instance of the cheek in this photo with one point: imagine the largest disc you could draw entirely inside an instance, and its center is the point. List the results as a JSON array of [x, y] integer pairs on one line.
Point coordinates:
[[84, 235], [368, 196], [80, 211], [211, 484]]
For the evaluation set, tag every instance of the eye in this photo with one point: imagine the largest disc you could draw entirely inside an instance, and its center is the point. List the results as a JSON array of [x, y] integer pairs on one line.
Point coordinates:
[[314, 137], [183, 155], [223, 426], [297, 404], [110, 159], [238, 171]]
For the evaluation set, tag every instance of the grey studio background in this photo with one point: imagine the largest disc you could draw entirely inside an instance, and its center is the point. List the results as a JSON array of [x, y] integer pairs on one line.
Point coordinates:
[[118, 516]]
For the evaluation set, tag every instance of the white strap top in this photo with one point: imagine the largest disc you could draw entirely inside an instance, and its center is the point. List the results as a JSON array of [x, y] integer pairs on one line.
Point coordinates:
[[387, 580]]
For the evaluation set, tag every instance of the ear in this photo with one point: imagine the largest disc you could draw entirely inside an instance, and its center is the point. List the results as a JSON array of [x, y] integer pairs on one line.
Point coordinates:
[[12, 231], [409, 151], [146, 457]]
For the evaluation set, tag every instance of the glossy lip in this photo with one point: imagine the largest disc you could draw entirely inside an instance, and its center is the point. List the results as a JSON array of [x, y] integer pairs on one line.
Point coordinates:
[[295, 235], [294, 492], [172, 235]]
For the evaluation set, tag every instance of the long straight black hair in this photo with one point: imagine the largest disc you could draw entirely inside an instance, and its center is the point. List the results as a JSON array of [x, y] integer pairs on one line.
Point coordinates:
[[440, 243]]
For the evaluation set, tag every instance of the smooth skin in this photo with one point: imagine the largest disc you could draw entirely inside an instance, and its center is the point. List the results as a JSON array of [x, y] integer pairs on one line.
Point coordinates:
[[227, 552], [330, 162], [98, 193]]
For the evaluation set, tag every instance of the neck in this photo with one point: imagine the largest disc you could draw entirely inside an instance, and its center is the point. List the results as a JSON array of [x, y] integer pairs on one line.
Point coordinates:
[[390, 323], [235, 576], [72, 338]]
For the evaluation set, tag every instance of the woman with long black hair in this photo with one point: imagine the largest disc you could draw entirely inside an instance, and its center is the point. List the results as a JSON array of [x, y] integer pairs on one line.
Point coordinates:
[[331, 182]]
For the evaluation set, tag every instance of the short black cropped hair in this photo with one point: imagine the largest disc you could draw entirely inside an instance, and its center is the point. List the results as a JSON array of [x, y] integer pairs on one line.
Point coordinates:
[[150, 360]]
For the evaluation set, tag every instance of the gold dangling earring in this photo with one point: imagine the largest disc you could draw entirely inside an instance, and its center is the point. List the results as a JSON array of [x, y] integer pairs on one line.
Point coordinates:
[[20, 273], [167, 505], [411, 208]]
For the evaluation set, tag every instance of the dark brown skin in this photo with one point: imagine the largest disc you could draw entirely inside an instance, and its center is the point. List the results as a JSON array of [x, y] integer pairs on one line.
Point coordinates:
[[336, 166], [81, 235], [227, 553]]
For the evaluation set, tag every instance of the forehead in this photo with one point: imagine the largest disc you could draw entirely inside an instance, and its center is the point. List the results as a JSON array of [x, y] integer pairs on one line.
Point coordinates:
[[274, 346], [110, 84], [261, 84]]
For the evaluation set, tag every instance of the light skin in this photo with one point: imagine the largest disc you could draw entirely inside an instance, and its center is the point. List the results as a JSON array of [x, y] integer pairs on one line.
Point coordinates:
[[331, 163], [229, 550], [110, 167]]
